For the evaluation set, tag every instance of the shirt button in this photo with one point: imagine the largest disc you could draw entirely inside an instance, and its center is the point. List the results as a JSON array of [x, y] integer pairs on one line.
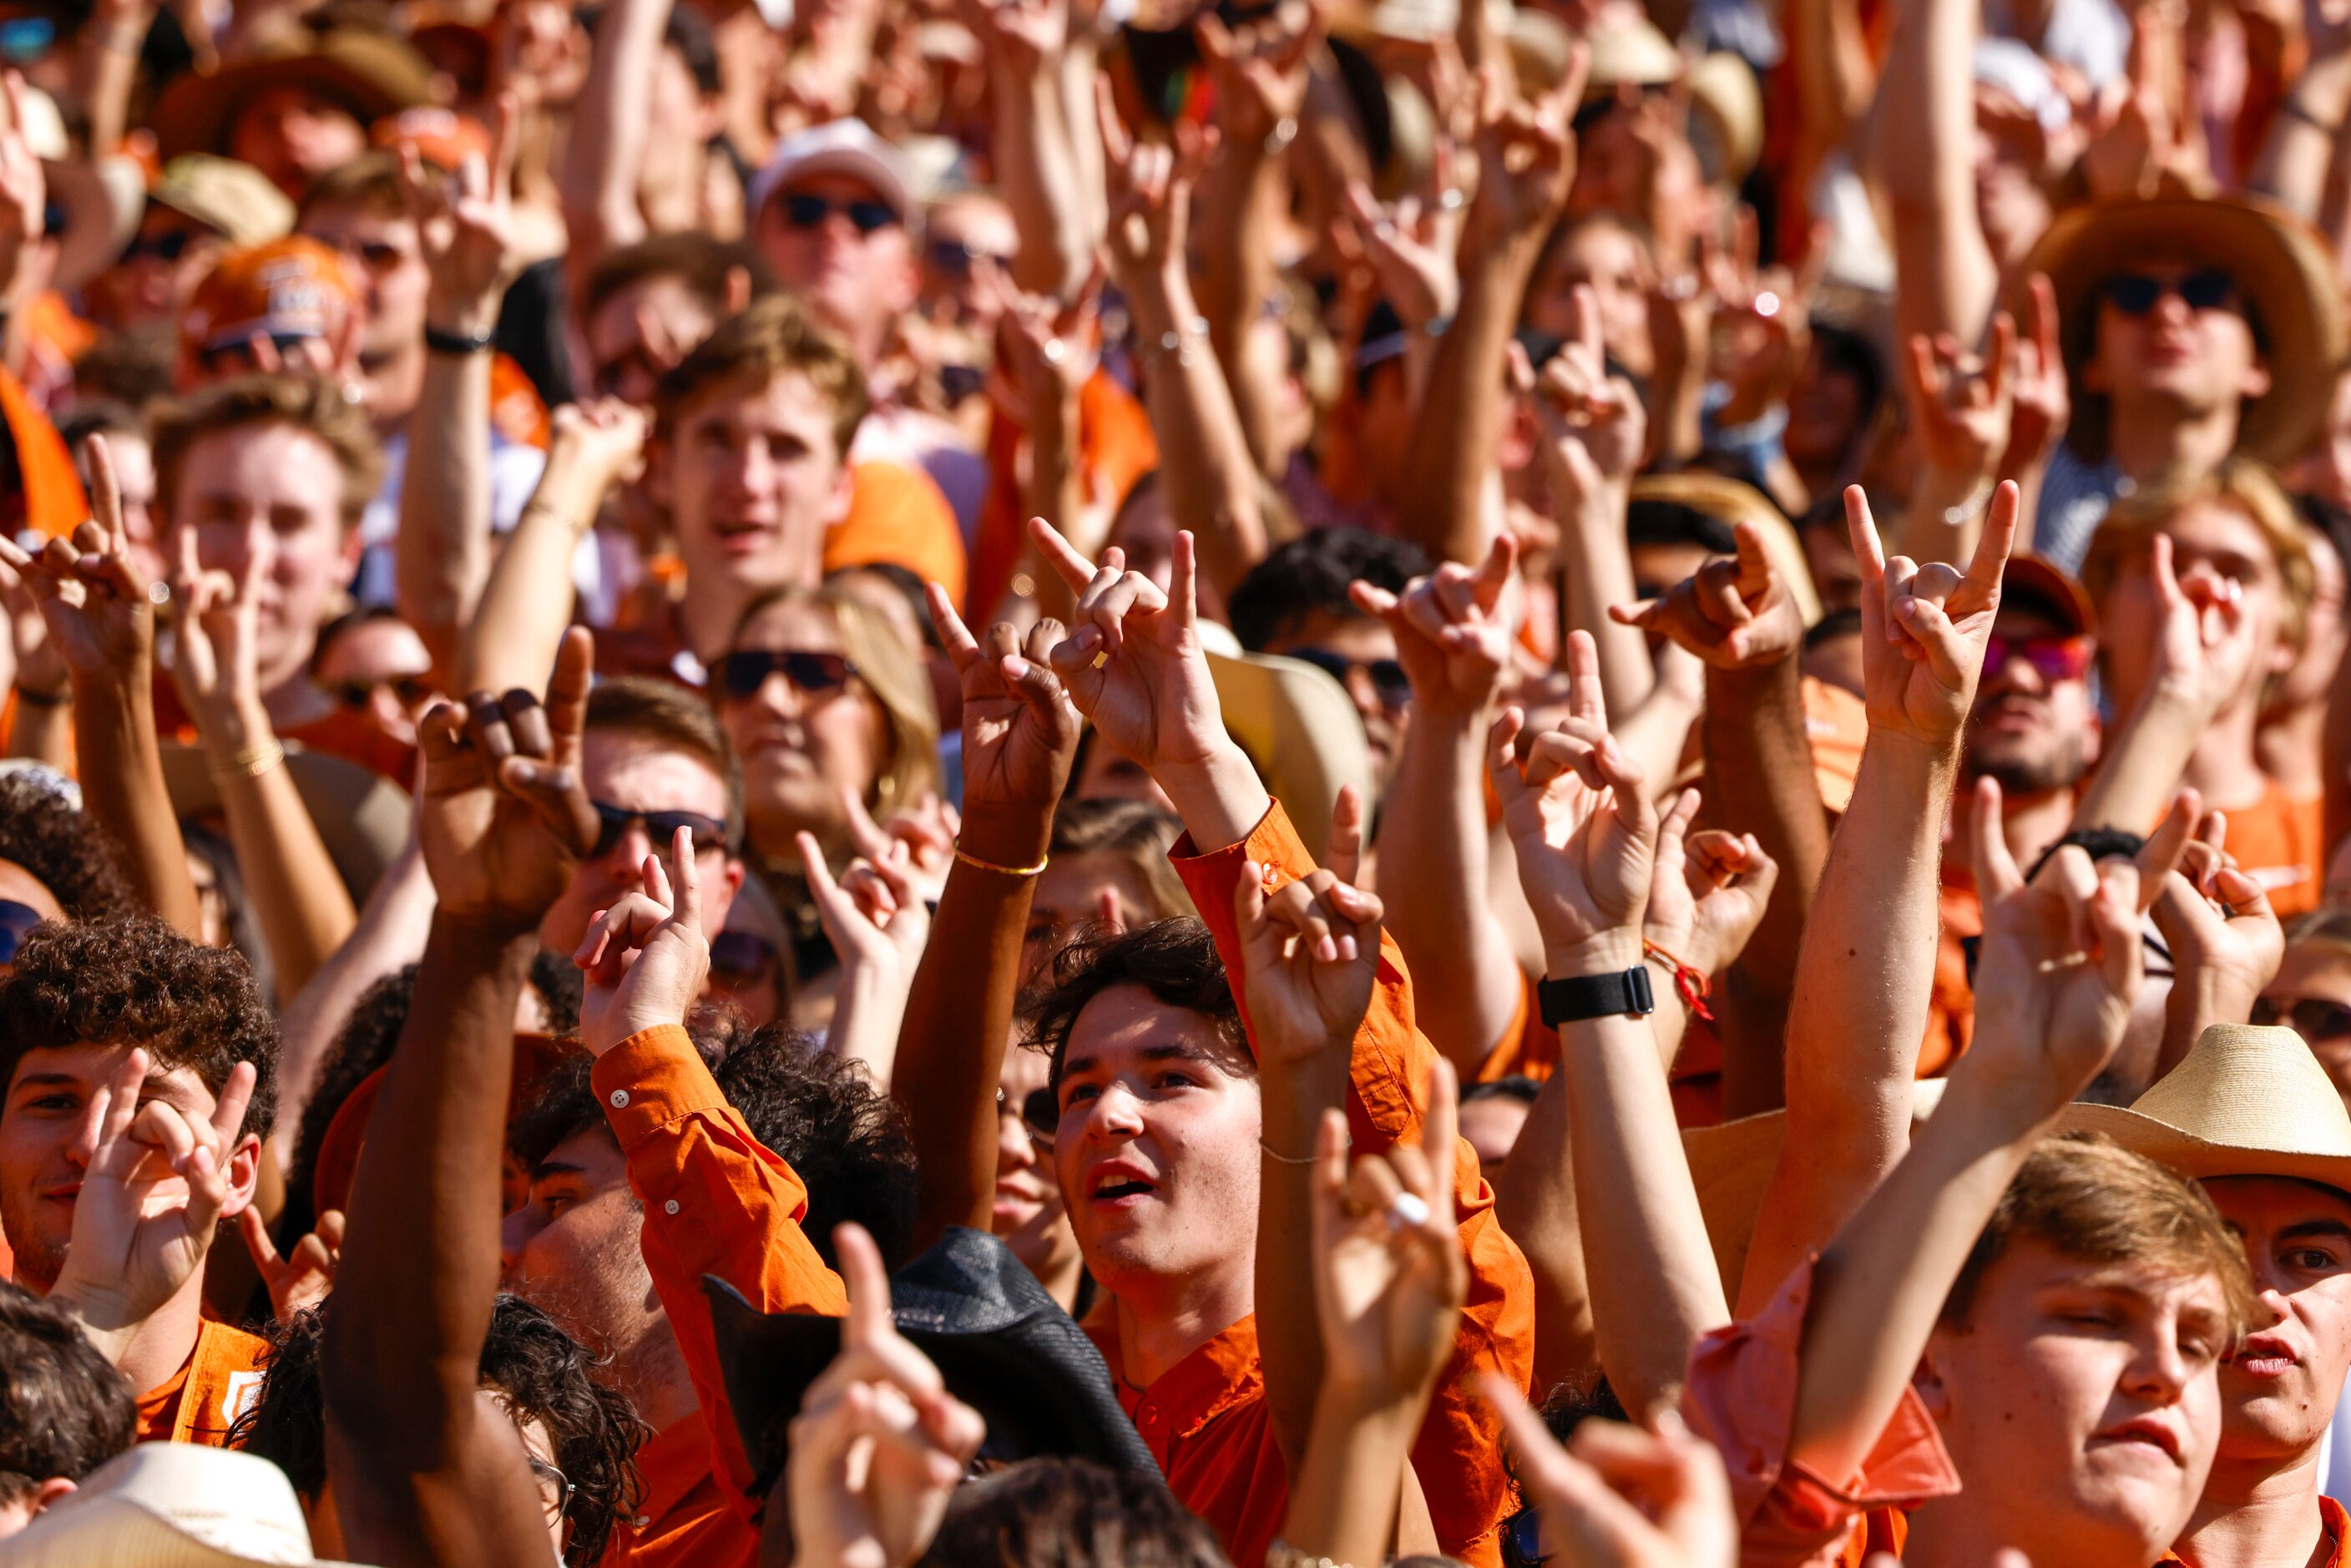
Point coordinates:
[[619, 1098], [670, 1208]]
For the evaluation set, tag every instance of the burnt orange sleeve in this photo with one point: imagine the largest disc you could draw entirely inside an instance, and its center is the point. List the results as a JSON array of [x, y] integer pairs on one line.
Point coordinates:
[[1459, 1453], [717, 1201], [898, 515]]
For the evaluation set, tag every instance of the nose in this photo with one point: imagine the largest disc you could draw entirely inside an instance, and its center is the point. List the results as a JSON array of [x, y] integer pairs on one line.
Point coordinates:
[[1366, 694], [2170, 306], [2160, 1370], [1116, 1114], [781, 696], [1015, 1150]]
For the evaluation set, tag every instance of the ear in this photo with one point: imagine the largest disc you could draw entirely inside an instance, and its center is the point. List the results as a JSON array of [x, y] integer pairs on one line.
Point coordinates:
[[243, 1174], [1927, 1383], [50, 1490], [844, 490], [2258, 381], [352, 546]]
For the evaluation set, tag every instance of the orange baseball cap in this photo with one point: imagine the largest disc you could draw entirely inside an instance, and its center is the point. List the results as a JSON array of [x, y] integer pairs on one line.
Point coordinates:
[[290, 288], [441, 137]]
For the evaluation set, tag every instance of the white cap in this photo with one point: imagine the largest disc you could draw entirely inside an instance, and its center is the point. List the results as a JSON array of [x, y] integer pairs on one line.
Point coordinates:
[[840, 147], [171, 1505]]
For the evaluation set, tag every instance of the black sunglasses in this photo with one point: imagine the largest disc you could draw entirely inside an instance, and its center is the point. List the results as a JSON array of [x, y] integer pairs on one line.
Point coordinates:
[[2313, 1018], [1388, 679], [708, 833], [956, 259], [742, 672], [165, 246], [16, 921], [741, 958], [803, 211], [411, 690], [1040, 1114], [2136, 294]]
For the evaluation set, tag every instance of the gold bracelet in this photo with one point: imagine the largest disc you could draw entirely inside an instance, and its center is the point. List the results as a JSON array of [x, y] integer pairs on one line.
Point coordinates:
[[974, 861], [250, 763]]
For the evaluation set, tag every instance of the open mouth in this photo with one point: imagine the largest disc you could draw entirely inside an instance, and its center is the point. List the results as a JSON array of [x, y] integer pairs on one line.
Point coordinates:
[[1118, 1183]]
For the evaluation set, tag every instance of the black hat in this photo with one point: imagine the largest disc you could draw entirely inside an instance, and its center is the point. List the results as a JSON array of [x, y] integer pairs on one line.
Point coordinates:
[[1003, 1344]]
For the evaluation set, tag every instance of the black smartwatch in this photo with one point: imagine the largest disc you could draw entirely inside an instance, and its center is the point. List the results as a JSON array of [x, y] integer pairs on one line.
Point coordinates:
[[1595, 996]]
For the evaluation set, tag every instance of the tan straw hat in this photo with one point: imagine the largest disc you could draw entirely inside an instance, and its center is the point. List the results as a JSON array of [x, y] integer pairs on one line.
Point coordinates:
[[1297, 724], [370, 74], [1729, 501], [2284, 268], [2248, 1099], [171, 1505]]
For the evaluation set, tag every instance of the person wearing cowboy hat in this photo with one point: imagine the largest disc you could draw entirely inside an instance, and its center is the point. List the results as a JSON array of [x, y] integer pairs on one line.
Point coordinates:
[[2251, 1115], [296, 108], [2193, 327]]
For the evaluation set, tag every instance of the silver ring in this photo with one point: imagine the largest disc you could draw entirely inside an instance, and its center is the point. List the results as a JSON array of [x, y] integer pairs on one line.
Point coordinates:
[[1679, 289], [1406, 1211], [1055, 350], [159, 593]]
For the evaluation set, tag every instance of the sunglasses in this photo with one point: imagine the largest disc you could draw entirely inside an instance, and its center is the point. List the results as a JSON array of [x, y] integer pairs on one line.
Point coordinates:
[[1386, 676], [169, 245], [2313, 1018], [803, 211], [956, 259], [709, 834], [742, 672], [1522, 1543], [2051, 658], [740, 959], [16, 920], [2136, 294], [1040, 1114], [411, 690]]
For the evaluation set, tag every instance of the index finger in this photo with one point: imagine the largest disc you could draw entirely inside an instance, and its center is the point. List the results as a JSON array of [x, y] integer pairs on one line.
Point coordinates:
[[105, 492], [961, 645], [1980, 589], [1342, 855], [228, 1109], [687, 908], [1866, 548], [1075, 570], [1584, 697], [867, 1319]]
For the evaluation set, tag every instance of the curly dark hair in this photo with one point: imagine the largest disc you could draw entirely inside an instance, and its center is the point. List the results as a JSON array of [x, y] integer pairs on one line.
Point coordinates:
[[817, 1113], [1311, 573], [1174, 960], [64, 1411], [135, 981], [1072, 1512], [541, 1372], [66, 851]]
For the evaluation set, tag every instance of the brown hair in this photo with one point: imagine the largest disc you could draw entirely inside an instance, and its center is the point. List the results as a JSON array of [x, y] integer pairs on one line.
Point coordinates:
[[1138, 833], [307, 403], [2241, 484], [2095, 1202], [669, 716], [1174, 960], [767, 338], [701, 264], [2328, 925], [64, 1410], [893, 672], [371, 181]]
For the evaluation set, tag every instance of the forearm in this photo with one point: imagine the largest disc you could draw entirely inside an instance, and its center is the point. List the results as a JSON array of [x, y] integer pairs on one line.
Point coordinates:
[[1203, 458], [1534, 1201], [527, 604], [2135, 781], [604, 151], [2300, 147], [1439, 508], [1923, 139], [1595, 570], [1289, 1328], [121, 769], [1036, 174], [952, 1042], [1344, 1490], [1240, 206], [43, 731], [297, 896], [440, 556], [1433, 865], [106, 70], [869, 1007]]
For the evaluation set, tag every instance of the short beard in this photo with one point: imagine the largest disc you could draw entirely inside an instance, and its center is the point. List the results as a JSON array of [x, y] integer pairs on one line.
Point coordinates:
[[2060, 767]]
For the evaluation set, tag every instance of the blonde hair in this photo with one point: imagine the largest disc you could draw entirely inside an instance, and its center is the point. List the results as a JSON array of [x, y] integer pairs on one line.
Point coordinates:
[[890, 670], [2241, 485]]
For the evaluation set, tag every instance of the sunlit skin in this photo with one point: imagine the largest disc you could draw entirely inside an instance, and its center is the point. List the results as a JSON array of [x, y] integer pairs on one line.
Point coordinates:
[[1158, 1153], [2318, 971], [2081, 1403], [1094, 887], [19, 885], [326, 1525], [293, 135], [1027, 1209], [799, 750], [387, 259], [2034, 735], [374, 654], [857, 284], [2211, 542], [639, 775], [1615, 264], [1362, 640], [2174, 361]]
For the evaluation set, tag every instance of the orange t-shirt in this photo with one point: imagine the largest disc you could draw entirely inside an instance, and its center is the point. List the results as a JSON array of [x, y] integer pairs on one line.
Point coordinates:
[[898, 515], [1114, 445], [684, 1518], [1205, 1421], [200, 1402], [2281, 843], [717, 1201], [1951, 1003]]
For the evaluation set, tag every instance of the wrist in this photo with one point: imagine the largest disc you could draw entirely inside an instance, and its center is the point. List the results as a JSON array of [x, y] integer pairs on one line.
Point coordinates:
[[1610, 952], [474, 317], [1007, 834]]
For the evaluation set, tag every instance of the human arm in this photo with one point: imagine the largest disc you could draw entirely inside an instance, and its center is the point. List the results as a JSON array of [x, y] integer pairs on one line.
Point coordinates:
[[1919, 152], [297, 896], [2300, 148], [106, 67], [440, 554], [1594, 433], [1452, 632], [1019, 737], [1615, 1496], [1526, 160], [98, 614], [2040, 406], [603, 155], [1037, 166], [526, 602], [1958, 404], [425, 1471], [876, 921], [1389, 1280], [1865, 965]]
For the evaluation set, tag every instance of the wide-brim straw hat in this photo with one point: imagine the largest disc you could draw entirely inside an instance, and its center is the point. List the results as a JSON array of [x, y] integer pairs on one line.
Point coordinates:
[[1730, 501], [2247, 1099], [2284, 266], [1297, 724], [370, 74], [172, 1505]]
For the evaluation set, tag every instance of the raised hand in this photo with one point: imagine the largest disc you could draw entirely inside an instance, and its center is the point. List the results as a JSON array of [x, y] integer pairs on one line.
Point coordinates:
[[1960, 403], [603, 437], [1526, 157], [1707, 891], [1261, 71], [156, 1186], [1578, 812], [1389, 1272], [2226, 942], [23, 190], [1050, 346], [878, 1443], [466, 227], [921, 833], [1923, 628], [1769, 311], [874, 915], [98, 609], [304, 1278], [505, 815], [1020, 727], [1150, 190], [1311, 948], [1619, 1497], [2040, 398], [1410, 247], [215, 630], [1592, 421], [644, 959], [1734, 613], [1452, 628], [1020, 36], [2204, 641]]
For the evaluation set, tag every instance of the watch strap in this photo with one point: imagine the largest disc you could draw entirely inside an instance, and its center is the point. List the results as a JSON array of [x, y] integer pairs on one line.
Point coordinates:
[[1595, 996]]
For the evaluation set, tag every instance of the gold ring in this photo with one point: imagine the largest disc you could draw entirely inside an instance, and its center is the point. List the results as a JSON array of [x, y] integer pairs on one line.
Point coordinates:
[[1101, 658]]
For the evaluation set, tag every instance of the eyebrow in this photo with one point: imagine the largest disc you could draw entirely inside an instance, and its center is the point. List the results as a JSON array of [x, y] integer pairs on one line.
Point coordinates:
[[2338, 1229], [546, 1168], [1072, 1066]]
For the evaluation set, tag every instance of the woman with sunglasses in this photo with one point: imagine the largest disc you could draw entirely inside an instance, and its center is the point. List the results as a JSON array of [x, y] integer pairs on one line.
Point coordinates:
[[2311, 993], [821, 700]]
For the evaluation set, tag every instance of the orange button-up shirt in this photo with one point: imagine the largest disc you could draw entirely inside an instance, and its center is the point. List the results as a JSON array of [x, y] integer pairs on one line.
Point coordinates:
[[1741, 1398], [1205, 1420], [684, 1517], [717, 1201], [203, 1400]]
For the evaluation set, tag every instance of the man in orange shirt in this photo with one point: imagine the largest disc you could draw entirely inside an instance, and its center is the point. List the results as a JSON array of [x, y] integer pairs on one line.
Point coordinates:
[[140, 1085]]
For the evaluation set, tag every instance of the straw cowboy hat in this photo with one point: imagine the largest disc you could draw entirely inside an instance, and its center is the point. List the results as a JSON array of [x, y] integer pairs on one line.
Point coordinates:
[[1731, 1165], [370, 74], [172, 1505], [1729, 501], [2284, 266], [1297, 724], [2248, 1099]]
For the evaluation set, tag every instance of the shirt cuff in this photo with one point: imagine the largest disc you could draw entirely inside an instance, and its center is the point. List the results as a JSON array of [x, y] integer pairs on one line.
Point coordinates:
[[650, 1079]]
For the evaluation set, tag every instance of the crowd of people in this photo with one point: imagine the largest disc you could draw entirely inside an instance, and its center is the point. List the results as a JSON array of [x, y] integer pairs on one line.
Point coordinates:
[[983, 782]]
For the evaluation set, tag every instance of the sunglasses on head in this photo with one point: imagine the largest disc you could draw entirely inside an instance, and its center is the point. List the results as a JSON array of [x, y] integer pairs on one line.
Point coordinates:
[[2051, 658], [16, 920], [2313, 1018], [1388, 676], [410, 690], [2136, 294], [709, 833], [1039, 1112], [956, 259], [742, 672], [741, 958], [804, 211]]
